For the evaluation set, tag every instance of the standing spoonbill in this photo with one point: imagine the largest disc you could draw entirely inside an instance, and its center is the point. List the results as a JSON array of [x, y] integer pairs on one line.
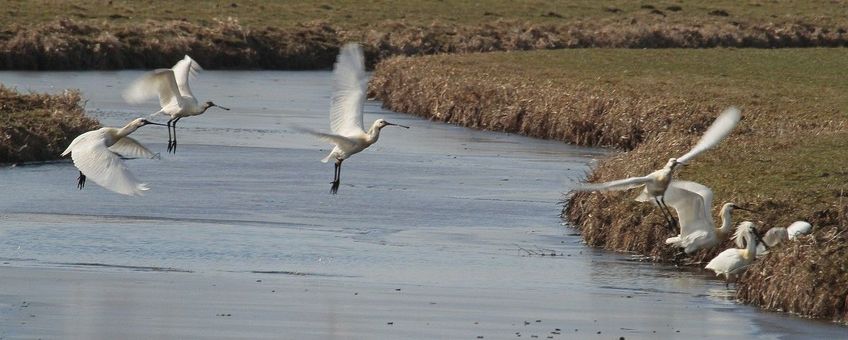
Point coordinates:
[[734, 261], [777, 235], [97, 154], [175, 97], [693, 203], [656, 183], [348, 135]]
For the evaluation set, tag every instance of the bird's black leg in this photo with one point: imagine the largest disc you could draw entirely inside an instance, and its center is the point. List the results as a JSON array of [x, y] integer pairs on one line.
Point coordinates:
[[174, 143], [672, 220], [169, 134], [668, 219], [337, 177], [81, 181]]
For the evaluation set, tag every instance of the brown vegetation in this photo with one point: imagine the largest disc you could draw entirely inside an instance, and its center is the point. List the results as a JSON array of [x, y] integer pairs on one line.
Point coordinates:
[[38, 127], [784, 160], [225, 44]]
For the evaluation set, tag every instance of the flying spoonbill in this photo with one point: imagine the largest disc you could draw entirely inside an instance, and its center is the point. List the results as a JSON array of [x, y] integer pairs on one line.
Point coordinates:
[[656, 183], [693, 203], [175, 97], [734, 261], [348, 135], [97, 154]]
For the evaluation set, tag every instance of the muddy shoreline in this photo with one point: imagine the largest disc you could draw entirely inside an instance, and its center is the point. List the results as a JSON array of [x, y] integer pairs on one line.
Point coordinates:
[[806, 278], [68, 44]]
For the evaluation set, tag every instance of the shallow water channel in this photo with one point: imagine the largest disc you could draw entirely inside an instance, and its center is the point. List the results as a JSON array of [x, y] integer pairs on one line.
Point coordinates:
[[437, 215]]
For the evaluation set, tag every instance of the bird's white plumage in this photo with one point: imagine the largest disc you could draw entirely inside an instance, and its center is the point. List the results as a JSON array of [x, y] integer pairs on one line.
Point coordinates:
[[720, 128], [160, 82], [94, 159], [693, 203], [183, 70], [131, 148], [351, 82], [798, 228], [733, 261], [621, 184], [778, 235]]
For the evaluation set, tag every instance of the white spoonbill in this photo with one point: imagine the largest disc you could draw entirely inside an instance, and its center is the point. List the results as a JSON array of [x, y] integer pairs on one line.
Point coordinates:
[[734, 261], [346, 125], [693, 203], [656, 183], [175, 97], [97, 154], [777, 235]]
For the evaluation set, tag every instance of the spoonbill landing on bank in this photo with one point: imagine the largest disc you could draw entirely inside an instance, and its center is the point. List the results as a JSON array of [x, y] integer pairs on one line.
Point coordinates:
[[175, 97], [348, 135], [656, 183], [734, 261], [97, 154], [693, 203]]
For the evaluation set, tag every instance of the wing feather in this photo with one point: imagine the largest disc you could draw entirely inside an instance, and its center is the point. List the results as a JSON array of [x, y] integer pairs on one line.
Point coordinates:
[[351, 82], [183, 70], [721, 127], [131, 148], [621, 184], [161, 82], [104, 167]]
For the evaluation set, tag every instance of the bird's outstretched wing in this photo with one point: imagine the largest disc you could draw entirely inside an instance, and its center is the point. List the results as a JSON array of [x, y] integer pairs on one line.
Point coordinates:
[[351, 82], [104, 167], [692, 202], [621, 184], [129, 147], [721, 127], [160, 82], [334, 139], [183, 70]]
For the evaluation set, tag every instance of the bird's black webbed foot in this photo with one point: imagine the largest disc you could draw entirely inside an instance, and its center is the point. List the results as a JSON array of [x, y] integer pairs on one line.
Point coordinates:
[[334, 189], [172, 146], [81, 181]]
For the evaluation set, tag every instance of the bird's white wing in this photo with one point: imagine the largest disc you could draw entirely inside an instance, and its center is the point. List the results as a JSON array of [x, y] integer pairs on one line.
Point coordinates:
[[773, 237], [725, 261], [693, 202], [131, 148], [160, 83], [351, 82], [721, 128], [341, 141], [104, 167], [183, 70], [798, 228], [621, 184]]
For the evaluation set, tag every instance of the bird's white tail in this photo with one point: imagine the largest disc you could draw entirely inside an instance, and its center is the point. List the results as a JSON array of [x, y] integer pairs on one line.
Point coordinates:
[[327, 159]]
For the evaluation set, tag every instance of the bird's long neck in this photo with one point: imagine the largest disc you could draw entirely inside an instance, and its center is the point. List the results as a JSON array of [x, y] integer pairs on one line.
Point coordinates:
[[203, 108], [126, 130], [750, 246], [373, 134], [726, 221]]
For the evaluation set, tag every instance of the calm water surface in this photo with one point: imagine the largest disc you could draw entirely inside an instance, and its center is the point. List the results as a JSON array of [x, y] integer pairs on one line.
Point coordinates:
[[434, 206]]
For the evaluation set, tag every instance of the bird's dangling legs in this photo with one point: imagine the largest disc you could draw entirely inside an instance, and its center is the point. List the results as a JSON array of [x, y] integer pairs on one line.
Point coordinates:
[[81, 181], [172, 146], [336, 177], [669, 220], [672, 220], [170, 140]]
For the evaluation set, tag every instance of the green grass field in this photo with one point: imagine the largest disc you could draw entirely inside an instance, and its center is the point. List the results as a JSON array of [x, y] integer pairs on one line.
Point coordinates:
[[358, 14]]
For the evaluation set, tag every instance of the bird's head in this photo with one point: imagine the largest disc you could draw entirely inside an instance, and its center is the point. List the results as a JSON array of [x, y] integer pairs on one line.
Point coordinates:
[[209, 104], [381, 123], [139, 122], [672, 163]]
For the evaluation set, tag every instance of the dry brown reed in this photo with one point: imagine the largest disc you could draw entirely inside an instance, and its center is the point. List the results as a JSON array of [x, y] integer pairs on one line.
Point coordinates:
[[71, 44], [38, 127]]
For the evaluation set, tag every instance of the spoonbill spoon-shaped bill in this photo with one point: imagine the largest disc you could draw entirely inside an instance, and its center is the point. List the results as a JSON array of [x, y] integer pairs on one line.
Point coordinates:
[[175, 96], [693, 204], [778, 235], [656, 183], [348, 134], [97, 154], [735, 261]]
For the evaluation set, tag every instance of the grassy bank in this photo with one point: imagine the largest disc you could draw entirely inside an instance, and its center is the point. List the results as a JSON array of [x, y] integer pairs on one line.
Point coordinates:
[[44, 34], [38, 127], [786, 158]]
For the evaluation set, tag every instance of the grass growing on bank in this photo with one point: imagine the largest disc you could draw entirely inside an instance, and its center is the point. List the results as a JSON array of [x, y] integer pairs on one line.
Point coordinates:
[[786, 159], [38, 127]]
